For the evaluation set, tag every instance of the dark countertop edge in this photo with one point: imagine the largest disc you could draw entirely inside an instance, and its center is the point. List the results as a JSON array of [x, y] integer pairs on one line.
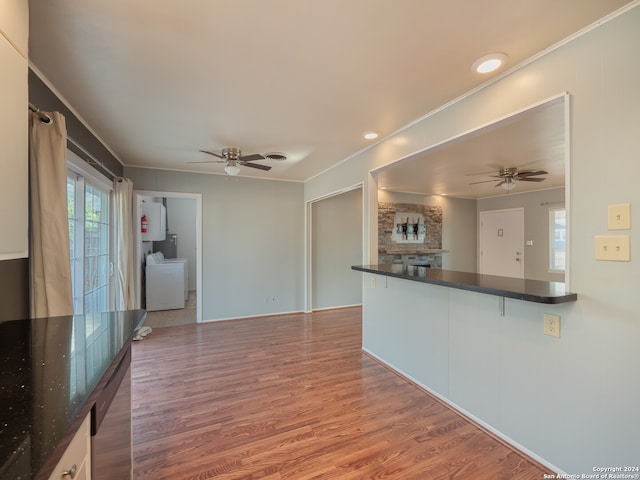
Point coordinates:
[[47, 468], [546, 299]]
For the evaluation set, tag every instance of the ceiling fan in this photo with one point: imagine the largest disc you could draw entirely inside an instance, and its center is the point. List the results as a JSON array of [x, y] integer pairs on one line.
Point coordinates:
[[509, 176], [233, 157]]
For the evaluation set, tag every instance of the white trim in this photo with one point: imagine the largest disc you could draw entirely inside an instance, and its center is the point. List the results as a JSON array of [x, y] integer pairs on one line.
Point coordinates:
[[567, 189], [221, 174], [488, 83], [80, 167], [337, 307], [562, 95], [256, 316], [467, 414]]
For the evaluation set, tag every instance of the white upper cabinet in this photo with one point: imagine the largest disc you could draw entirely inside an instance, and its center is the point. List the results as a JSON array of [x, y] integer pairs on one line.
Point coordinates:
[[14, 129], [14, 24]]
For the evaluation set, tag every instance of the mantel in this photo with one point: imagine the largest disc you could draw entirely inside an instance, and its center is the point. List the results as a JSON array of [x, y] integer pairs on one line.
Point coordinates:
[[521, 289]]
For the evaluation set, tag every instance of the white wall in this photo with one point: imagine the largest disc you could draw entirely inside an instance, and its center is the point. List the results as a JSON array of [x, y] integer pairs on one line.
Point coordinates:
[[536, 227], [336, 246], [181, 218], [593, 396], [253, 240]]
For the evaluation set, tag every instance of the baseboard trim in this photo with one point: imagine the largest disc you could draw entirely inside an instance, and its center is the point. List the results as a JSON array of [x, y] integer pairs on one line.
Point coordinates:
[[495, 433]]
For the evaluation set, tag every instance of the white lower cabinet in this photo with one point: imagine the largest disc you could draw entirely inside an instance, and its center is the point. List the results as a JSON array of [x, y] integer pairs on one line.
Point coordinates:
[[75, 463]]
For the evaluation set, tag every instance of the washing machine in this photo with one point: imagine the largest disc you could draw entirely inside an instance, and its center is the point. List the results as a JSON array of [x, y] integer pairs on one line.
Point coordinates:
[[167, 282]]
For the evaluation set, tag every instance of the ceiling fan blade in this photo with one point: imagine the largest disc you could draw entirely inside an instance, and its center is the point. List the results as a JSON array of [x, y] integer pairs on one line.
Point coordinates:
[[212, 153], [529, 173], [256, 165], [251, 158], [485, 181], [502, 182], [531, 179], [209, 161]]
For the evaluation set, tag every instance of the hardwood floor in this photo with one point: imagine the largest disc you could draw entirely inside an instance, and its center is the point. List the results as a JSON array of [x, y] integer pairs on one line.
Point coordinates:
[[293, 397]]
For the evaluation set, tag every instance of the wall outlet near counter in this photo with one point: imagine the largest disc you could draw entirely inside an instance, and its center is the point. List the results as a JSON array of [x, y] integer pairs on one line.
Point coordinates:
[[552, 325]]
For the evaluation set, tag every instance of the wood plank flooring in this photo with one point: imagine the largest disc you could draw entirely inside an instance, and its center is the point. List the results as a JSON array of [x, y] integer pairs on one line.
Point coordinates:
[[293, 397]]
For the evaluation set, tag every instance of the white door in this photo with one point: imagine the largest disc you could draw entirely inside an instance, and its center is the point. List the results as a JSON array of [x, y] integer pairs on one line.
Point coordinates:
[[502, 242]]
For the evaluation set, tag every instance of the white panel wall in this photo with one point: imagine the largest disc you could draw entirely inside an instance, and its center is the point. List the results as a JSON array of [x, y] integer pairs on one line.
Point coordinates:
[[253, 240], [581, 389]]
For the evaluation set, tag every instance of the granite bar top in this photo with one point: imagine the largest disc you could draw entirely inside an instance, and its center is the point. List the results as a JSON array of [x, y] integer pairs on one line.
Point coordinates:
[[528, 290], [51, 372]]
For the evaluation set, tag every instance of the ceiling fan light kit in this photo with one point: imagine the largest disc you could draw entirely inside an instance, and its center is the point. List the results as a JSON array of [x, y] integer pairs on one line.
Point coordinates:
[[508, 184], [232, 169]]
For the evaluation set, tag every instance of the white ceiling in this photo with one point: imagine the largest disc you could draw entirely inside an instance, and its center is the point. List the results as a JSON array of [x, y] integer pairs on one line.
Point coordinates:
[[160, 80], [529, 140]]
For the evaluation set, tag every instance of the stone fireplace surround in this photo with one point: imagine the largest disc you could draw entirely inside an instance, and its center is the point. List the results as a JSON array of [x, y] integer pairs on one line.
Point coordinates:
[[427, 252]]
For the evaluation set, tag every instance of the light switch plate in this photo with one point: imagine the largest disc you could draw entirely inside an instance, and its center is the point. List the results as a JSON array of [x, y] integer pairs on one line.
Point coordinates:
[[619, 217], [614, 248]]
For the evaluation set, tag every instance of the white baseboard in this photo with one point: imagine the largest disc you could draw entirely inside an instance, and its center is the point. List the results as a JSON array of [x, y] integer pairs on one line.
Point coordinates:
[[470, 416]]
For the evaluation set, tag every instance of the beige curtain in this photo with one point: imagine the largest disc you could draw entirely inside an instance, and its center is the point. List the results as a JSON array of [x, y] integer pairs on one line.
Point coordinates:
[[51, 290], [123, 235]]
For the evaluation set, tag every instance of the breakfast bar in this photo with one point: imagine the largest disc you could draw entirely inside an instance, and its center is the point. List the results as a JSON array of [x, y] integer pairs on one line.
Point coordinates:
[[476, 342]]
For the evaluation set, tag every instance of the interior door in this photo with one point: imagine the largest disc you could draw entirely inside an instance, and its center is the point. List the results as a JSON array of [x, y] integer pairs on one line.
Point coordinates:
[[502, 242]]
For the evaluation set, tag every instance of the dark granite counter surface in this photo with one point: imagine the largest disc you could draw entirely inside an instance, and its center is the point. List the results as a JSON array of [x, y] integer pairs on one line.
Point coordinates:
[[528, 290], [51, 372]]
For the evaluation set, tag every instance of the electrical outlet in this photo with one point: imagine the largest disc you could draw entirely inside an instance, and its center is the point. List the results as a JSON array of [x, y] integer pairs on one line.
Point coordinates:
[[552, 325], [373, 282], [613, 247], [619, 217]]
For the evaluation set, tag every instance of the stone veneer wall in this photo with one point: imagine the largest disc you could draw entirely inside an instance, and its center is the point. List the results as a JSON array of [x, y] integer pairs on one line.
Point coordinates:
[[410, 253]]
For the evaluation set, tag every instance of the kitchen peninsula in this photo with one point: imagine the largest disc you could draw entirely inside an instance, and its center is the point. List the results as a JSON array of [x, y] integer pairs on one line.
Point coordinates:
[[476, 342], [518, 288], [53, 371]]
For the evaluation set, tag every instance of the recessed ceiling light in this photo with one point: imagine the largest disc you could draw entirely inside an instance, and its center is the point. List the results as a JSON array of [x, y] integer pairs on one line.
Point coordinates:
[[370, 135], [489, 63]]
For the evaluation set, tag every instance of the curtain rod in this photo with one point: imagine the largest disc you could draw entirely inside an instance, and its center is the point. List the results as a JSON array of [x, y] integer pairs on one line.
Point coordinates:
[[43, 118], [91, 160]]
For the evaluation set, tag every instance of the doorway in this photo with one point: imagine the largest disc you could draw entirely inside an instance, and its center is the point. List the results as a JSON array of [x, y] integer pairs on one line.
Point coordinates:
[[334, 244], [502, 242], [186, 202]]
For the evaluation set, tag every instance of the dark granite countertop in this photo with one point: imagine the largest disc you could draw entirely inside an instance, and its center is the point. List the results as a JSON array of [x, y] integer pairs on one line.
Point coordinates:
[[528, 290], [51, 372]]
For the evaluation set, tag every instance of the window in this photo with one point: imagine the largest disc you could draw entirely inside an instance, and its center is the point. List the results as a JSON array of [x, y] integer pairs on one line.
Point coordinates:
[[557, 239], [89, 230]]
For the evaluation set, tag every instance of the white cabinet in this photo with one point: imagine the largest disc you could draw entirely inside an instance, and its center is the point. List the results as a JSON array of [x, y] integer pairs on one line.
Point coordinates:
[[76, 460], [14, 24], [14, 141], [156, 217]]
